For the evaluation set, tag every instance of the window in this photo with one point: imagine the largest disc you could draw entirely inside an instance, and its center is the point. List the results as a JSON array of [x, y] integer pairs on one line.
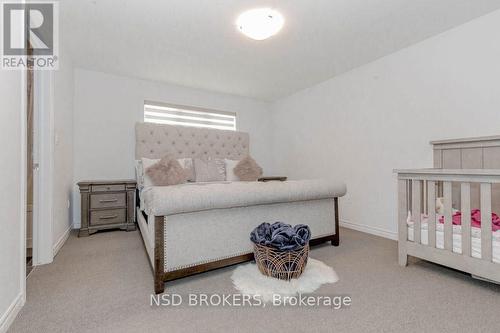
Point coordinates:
[[161, 113]]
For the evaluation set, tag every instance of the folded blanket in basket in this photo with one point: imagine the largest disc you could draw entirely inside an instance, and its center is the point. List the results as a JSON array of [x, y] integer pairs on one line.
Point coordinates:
[[281, 236]]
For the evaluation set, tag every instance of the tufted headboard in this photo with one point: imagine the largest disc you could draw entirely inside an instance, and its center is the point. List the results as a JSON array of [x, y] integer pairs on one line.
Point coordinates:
[[158, 140]]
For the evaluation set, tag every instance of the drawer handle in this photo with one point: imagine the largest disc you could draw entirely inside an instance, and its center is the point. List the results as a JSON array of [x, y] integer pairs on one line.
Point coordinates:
[[108, 200], [107, 217]]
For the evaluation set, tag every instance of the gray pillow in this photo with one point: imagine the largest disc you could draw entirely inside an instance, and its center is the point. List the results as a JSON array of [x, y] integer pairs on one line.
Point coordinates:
[[247, 169], [209, 170], [167, 171]]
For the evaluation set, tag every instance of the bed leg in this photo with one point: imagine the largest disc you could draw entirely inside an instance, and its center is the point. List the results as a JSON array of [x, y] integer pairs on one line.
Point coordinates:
[[159, 286], [336, 237], [159, 283], [336, 240]]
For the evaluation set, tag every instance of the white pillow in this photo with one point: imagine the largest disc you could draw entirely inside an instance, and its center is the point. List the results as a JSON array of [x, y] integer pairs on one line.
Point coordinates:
[[187, 163], [210, 170], [230, 165]]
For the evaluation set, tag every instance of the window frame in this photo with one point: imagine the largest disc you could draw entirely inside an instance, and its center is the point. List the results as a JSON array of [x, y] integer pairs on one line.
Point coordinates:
[[193, 112]]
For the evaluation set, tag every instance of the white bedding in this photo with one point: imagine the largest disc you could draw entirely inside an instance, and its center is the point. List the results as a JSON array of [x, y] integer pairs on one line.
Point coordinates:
[[141, 190], [457, 239], [194, 197]]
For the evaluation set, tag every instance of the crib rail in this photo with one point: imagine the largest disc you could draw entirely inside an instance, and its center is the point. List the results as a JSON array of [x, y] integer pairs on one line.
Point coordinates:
[[417, 192]]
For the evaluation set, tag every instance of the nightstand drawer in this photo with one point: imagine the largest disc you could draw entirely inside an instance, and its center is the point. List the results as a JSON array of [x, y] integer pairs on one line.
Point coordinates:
[[110, 216], [108, 188], [107, 200]]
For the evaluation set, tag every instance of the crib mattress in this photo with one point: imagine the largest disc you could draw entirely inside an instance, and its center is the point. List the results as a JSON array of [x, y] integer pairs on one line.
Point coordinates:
[[457, 239]]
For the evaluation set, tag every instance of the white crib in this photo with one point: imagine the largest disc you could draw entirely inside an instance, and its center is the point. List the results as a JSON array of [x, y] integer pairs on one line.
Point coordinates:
[[461, 188]]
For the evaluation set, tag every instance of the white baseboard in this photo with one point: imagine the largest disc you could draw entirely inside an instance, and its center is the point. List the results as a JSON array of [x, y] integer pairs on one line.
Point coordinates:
[[369, 229], [10, 315], [60, 242]]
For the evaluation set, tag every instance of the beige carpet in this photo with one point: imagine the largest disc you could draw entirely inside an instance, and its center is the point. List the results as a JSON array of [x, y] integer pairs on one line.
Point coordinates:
[[103, 284]]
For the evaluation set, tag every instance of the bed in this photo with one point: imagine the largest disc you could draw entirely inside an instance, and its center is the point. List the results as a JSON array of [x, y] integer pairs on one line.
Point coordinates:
[[448, 214], [195, 227]]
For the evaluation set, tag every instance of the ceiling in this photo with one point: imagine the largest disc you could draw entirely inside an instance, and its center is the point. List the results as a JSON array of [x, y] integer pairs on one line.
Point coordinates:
[[195, 43]]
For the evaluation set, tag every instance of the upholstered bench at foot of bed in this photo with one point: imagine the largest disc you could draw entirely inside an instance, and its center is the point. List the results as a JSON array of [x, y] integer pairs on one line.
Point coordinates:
[[176, 258]]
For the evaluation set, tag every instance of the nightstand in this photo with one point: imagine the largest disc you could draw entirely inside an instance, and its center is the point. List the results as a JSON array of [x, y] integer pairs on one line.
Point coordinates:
[[107, 205]]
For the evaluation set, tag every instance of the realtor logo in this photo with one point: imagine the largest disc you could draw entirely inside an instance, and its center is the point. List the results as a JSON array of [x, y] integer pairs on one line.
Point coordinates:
[[29, 34]]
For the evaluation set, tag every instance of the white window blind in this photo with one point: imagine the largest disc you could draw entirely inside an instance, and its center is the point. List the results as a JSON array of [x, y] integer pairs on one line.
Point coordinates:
[[161, 113]]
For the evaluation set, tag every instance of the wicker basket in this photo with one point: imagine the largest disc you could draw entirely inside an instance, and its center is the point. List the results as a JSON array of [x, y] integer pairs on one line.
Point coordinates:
[[283, 265]]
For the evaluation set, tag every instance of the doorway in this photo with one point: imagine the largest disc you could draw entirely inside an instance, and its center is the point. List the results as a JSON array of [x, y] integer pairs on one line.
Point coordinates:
[[40, 167], [30, 164]]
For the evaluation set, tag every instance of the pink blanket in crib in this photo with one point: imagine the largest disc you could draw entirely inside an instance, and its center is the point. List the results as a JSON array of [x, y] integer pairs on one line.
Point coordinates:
[[475, 215]]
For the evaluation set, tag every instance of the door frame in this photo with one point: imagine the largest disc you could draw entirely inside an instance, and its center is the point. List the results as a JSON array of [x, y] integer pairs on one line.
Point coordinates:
[[43, 178], [43, 223], [23, 187]]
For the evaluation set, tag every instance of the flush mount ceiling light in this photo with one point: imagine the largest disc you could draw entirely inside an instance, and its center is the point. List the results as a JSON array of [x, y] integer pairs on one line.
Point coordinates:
[[260, 23]]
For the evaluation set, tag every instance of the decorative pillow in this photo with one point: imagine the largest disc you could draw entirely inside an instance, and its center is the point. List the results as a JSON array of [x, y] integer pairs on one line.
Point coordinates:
[[188, 165], [167, 171], [209, 170], [247, 169], [230, 165], [146, 163]]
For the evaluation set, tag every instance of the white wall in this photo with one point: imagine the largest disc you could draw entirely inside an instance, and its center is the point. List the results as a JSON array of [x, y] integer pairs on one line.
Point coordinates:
[[11, 196], [63, 148], [108, 106], [359, 126]]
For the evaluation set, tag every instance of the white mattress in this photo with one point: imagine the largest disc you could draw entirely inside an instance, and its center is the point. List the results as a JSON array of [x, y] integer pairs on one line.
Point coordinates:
[[195, 197], [150, 188], [457, 239]]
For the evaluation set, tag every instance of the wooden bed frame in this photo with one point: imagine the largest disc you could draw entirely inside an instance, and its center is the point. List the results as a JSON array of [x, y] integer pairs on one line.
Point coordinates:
[[160, 276], [466, 174]]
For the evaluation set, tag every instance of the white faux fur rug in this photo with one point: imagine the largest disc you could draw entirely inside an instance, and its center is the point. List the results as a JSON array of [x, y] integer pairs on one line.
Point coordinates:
[[248, 280]]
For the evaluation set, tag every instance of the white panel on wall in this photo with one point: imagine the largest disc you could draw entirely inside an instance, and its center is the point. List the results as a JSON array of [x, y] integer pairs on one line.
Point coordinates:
[[63, 148]]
